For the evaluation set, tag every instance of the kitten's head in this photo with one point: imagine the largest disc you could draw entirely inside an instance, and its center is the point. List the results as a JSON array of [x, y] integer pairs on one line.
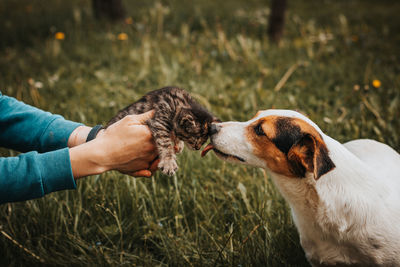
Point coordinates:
[[192, 125]]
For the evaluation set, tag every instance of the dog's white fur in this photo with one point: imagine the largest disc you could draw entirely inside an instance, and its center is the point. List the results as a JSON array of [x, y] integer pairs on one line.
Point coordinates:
[[356, 215]]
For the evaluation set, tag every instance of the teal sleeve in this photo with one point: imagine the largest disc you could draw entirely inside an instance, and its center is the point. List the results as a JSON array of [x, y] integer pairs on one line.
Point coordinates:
[[32, 175], [26, 128]]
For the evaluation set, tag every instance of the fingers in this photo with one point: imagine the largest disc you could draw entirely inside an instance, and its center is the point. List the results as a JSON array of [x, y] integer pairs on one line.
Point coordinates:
[[149, 172], [142, 173], [154, 165], [145, 168]]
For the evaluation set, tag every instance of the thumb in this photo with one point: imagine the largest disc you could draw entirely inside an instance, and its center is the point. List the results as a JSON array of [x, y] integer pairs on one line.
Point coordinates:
[[142, 118]]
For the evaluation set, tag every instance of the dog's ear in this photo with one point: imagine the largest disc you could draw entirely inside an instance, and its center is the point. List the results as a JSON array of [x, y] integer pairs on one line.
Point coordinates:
[[310, 154]]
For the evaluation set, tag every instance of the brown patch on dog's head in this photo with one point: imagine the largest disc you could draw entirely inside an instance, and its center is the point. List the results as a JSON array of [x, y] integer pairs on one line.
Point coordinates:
[[289, 146]]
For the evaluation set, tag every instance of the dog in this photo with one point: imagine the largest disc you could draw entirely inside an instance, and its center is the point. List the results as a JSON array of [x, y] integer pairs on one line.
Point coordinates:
[[344, 198]]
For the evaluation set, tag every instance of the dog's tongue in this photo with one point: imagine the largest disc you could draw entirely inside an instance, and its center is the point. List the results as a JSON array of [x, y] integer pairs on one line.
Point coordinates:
[[206, 149]]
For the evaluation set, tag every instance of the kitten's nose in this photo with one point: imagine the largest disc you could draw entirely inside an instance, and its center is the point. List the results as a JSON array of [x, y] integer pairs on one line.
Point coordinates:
[[214, 128]]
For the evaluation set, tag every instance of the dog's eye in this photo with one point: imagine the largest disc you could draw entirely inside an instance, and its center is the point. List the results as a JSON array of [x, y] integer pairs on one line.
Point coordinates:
[[259, 130]]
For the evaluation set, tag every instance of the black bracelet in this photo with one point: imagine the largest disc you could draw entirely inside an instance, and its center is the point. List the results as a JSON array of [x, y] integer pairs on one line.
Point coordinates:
[[92, 134]]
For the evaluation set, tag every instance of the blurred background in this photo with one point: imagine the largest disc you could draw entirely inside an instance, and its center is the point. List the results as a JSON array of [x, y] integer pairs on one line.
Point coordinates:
[[336, 61]]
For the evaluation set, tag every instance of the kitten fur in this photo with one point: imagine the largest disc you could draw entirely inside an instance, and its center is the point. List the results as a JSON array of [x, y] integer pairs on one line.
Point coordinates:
[[178, 119]]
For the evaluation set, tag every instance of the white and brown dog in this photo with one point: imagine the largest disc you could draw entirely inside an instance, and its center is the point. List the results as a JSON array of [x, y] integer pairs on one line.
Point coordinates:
[[345, 198]]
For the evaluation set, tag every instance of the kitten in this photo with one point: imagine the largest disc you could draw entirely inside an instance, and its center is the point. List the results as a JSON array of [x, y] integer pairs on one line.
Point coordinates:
[[178, 119]]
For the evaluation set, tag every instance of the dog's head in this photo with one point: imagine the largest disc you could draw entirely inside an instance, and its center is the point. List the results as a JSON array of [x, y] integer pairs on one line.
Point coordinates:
[[283, 141]]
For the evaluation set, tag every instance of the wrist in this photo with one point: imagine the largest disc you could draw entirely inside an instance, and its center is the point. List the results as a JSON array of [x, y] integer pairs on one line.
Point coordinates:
[[78, 136], [93, 132], [87, 159]]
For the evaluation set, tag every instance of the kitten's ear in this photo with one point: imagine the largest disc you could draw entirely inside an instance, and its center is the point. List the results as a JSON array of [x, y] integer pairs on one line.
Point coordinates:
[[186, 117]]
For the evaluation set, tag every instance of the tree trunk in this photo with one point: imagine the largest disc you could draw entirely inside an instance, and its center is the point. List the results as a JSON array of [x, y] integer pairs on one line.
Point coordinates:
[[110, 9], [276, 20]]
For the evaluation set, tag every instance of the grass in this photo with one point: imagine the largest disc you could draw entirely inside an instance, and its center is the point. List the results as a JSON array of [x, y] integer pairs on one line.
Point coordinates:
[[211, 213]]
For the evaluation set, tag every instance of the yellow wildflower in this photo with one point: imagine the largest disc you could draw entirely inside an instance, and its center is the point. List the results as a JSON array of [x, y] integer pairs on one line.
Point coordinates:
[[354, 38], [128, 21], [59, 36], [29, 8], [376, 83], [122, 36]]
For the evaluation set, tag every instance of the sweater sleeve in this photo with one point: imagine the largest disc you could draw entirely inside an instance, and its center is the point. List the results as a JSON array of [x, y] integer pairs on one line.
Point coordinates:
[[26, 128], [32, 175]]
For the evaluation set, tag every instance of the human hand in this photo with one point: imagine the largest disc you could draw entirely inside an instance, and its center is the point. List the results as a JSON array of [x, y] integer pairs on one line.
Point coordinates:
[[126, 146], [129, 145]]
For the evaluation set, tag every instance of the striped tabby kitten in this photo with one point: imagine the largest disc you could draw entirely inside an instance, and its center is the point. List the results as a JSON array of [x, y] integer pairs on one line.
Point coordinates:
[[178, 119]]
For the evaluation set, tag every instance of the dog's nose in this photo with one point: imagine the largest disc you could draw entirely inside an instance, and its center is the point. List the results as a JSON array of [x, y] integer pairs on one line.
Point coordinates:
[[214, 129]]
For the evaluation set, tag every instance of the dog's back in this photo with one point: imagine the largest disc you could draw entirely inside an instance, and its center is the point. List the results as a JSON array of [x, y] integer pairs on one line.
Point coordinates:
[[363, 207], [383, 159]]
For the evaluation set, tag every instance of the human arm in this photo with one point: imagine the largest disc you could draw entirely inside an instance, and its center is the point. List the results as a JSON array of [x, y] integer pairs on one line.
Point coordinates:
[[26, 128], [126, 146], [32, 175]]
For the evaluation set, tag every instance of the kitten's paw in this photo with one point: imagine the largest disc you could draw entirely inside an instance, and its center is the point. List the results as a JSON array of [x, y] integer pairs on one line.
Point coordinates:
[[168, 167], [179, 146]]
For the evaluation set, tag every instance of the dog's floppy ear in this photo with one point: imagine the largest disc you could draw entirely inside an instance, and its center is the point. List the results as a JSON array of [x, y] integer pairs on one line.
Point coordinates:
[[310, 154]]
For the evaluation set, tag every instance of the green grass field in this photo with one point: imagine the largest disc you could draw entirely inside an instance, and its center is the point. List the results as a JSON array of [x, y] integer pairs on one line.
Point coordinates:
[[211, 213]]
